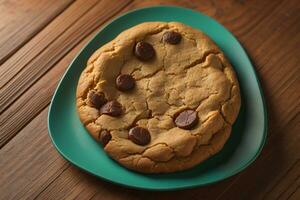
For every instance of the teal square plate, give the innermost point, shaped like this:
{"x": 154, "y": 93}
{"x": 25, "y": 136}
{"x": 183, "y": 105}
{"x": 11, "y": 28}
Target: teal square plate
{"x": 249, "y": 131}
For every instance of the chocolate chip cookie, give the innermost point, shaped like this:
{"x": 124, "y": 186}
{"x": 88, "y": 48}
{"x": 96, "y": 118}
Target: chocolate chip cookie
{"x": 160, "y": 97}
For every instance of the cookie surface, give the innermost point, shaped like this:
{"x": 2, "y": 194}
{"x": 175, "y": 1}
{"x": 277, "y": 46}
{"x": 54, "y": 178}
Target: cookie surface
{"x": 160, "y": 97}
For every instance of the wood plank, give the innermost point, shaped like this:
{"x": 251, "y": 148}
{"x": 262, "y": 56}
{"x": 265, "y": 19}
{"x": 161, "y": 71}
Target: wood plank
{"x": 29, "y": 163}
{"x": 80, "y": 185}
{"x": 295, "y": 195}
{"x": 48, "y": 57}
{"x": 280, "y": 153}
{"x": 62, "y": 44}
{"x": 38, "y": 95}
{"x": 286, "y": 185}
{"x": 292, "y": 190}
{"x": 43, "y": 39}
{"x": 276, "y": 58}
{"x": 280, "y": 81}
{"x": 21, "y": 20}
{"x": 28, "y": 177}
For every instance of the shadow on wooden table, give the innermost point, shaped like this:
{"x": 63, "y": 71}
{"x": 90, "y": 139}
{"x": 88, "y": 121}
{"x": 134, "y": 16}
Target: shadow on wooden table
{"x": 107, "y": 190}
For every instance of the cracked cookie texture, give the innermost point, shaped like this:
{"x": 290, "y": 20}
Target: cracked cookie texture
{"x": 193, "y": 74}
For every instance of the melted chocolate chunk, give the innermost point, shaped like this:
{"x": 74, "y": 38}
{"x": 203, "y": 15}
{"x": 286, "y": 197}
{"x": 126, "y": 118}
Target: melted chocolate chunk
{"x": 125, "y": 82}
{"x": 186, "y": 119}
{"x": 139, "y": 135}
{"x": 144, "y": 51}
{"x": 105, "y": 137}
{"x": 96, "y": 99}
{"x": 171, "y": 37}
{"x": 112, "y": 108}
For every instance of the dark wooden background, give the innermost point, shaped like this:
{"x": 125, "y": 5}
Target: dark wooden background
{"x": 39, "y": 38}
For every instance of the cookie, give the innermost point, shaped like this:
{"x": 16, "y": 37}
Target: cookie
{"x": 161, "y": 97}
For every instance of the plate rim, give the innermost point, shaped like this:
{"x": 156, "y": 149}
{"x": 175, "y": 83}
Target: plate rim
{"x": 260, "y": 89}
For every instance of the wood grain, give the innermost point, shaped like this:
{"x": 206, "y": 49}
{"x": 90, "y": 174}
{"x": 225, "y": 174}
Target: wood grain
{"x": 280, "y": 153}
{"x": 295, "y": 195}
{"x": 30, "y": 168}
{"x": 288, "y": 185}
{"x": 22, "y": 109}
{"x": 34, "y": 138}
{"x": 42, "y": 172}
{"x": 21, "y": 20}
{"x": 29, "y": 162}
{"x": 39, "y": 95}
{"x": 43, "y": 39}
{"x": 48, "y": 57}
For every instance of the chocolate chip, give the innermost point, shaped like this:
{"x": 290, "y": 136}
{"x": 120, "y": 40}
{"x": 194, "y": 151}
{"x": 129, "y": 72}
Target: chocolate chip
{"x": 105, "y": 137}
{"x": 171, "y": 37}
{"x": 125, "y": 82}
{"x": 187, "y": 119}
{"x": 139, "y": 135}
{"x": 144, "y": 51}
{"x": 96, "y": 99}
{"x": 112, "y": 108}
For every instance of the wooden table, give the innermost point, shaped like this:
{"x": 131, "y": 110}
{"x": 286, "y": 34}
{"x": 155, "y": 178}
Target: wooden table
{"x": 39, "y": 38}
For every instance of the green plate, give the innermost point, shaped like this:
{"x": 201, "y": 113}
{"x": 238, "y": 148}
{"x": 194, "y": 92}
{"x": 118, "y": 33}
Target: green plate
{"x": 249, "y": 131}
